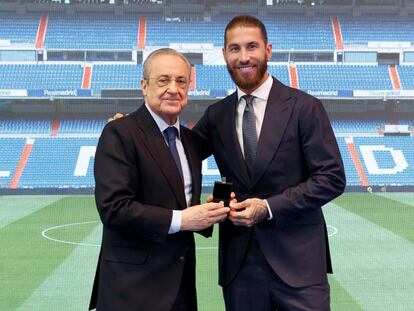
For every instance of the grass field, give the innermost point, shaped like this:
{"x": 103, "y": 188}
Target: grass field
{"x": 50, "y": 244}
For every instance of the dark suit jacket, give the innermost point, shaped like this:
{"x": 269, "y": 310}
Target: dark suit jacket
{"x": 137, "y": 187}
{"x": 298, "y": 169}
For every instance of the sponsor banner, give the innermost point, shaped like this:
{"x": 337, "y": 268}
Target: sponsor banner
{"x": 207, "y": 93}
{"x": 59, "y": 93}
{"x": 12, "y": 93}
{"x": 384, "y": 93}
{"x": 330, "y": 93}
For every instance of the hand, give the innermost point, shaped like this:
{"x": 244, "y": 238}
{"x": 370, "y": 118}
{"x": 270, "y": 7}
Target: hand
{"x": 199, "y": 217}
{"x": 232, "y": 198}
{"x": 248, "y": 213}
{"x": 117, "y": 115}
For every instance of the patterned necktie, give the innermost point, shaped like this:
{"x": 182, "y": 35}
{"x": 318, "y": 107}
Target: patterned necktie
{"x": 171, "y": 133}
{"x": 249, "y": 133}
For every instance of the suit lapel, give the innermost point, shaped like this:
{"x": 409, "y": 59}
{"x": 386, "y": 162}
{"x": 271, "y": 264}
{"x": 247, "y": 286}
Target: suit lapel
{"x": 193, "y": 161}
{"x": 156, "y": 146}
{"x": 236, "y": 162}
{"x": 276, "y": 118}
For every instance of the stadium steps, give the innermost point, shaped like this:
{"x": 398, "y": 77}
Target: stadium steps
{"x": 142, "y": 32}
{"x": 293, "y": 77}
{"x": 87, "y": 76}
{"x": 395, "y": 77}
{"x": 55, "y": 127}
{"x": 355, "y": 159}
{"x": 336, "y": 28}
{"x": 41, "y": 32}
{"x": 22, "y": 163}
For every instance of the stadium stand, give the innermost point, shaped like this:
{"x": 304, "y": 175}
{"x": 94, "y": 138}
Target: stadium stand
{"x": 10, "y": 149}
{"x": 384, "y": 158}
{"x": 357, "y": 126}
{"x": 288, "y": 30}
{"x": 76, "y": 126}
{"x": 40, "y": 76}
{"x": 57, "y": 160}
{"x": 21, "y": 126}
{"x": 69, "y": 37}
{"x": 118, "y": 76}
{"x": 18, "y": 28}
{"x": 406, "y": 76}
{"x": 359, "y": 30}
{"x": 344, "y": 77}
{"x": 92, "y": 31}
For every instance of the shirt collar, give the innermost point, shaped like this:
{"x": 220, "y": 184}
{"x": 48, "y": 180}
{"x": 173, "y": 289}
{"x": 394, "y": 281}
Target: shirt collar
{"x": 261, "y": 92}
{"x": 162, "y": 125}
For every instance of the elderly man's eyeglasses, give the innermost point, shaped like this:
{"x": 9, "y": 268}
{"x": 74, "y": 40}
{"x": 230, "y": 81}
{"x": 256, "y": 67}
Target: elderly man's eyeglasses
{"x": 165, "y": 81}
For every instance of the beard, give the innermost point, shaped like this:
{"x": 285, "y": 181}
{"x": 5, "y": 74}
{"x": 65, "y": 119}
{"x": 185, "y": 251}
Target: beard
{"x": 246, "y": 83}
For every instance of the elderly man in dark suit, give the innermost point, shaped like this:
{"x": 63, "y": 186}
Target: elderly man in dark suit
{"x": 276, "y": 145}
{"x": 148, "y": 184}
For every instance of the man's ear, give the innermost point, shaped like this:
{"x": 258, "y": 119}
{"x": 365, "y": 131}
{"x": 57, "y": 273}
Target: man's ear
{"x": 268, "y": 51}
{"x": 144, "y": 85}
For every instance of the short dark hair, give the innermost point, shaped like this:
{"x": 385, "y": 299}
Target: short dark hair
{"x": 245, "y": 21}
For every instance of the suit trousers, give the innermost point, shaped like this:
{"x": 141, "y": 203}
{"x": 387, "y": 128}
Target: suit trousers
{"x": 186, "y": 299}
{"x": 258, "y": 288}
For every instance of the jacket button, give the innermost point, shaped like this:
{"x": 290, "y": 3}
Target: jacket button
{"x": 181, "y": 259}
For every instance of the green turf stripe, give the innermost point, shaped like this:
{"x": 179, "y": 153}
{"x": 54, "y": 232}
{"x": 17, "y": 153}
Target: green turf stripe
{"x": 387, "y": 213}
{"x": 341, "y": 300}
{"x": 402, "y": 197}
{"x": 72, "y": 280}
{"x": 15, "y": 207}
{"x": 29, "y": 257}
{"x": 375, "y": 266}
{"x": 209, "y": 294}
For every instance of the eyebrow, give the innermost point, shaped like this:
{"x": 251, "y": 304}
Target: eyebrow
{"x": 248, "y": 43}
{"x": 168, "y": 76}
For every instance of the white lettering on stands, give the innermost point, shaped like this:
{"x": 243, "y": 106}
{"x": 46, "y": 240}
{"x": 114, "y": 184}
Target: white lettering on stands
{"x": 86, "y": 153}
{"x": 372, "y": 164}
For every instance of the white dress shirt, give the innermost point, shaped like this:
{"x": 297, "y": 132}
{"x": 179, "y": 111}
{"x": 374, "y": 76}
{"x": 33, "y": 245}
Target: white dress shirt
{"x": 162, "y": 125}
{"x": 261, "y": 95}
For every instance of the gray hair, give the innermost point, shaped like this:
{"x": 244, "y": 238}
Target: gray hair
{"x": 163, "y": 51}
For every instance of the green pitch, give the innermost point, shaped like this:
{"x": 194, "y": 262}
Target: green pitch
{"x": 50, "y": 244}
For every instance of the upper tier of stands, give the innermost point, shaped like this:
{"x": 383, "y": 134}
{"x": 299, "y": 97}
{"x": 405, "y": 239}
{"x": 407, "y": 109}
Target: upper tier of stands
{"x": 285, "y": 31}
{"x": 91, "y": 31}
{"x": 300, "y": 32}
{"x": 361, "y": 29}
{"x": 19, "y": 28}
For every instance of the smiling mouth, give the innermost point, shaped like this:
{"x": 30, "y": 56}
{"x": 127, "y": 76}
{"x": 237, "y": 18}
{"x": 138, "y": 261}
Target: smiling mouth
{"x": 246, "y": 69}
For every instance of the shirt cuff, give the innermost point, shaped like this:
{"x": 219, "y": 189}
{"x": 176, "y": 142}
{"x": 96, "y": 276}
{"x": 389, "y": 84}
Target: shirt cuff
{"x": 175, "y": 222}
{"x": 269, "y": 210}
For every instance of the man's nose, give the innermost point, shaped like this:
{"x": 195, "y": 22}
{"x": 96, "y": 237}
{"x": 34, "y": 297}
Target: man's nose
{"x": 172, "y": 86}
{"x": 244, "y": 56}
